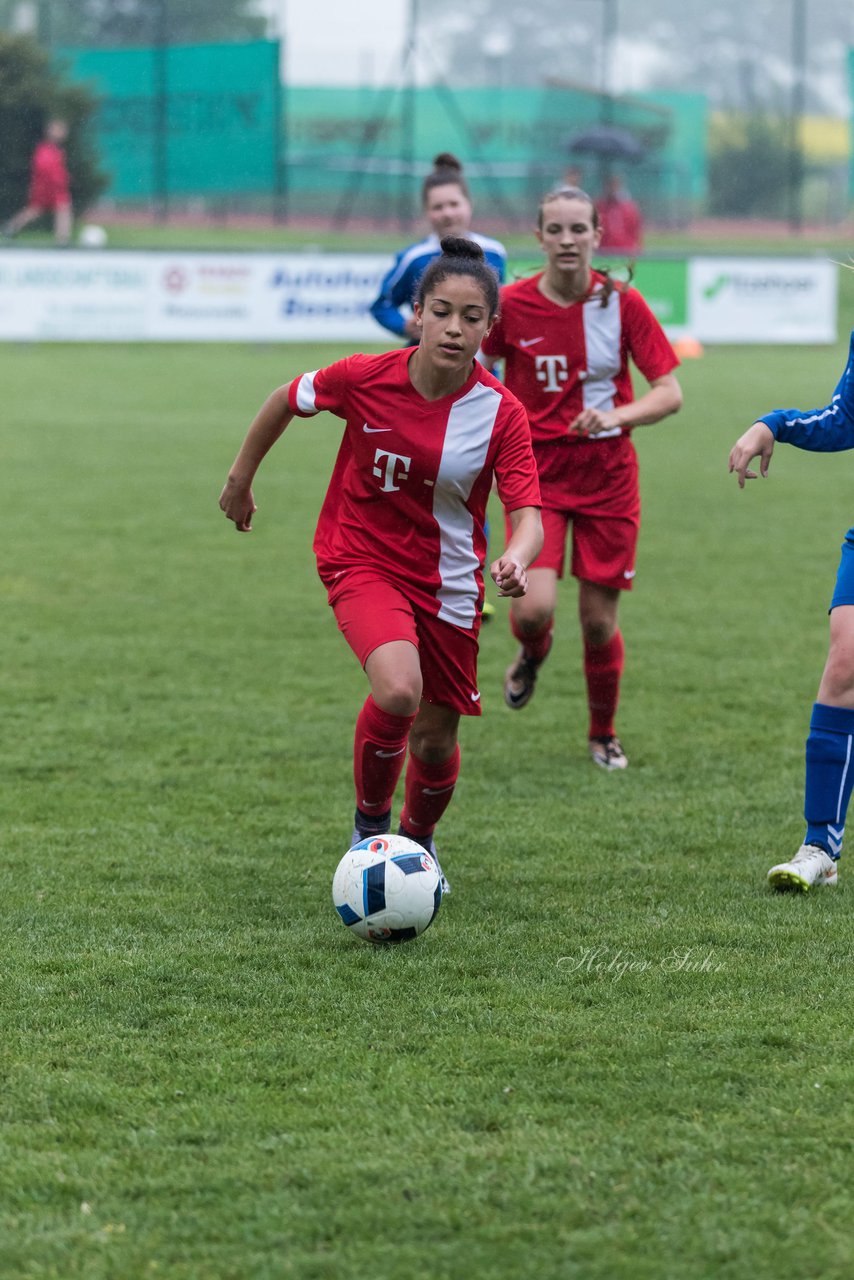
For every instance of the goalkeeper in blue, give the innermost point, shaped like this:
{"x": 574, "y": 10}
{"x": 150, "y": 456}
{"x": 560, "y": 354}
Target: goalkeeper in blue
{"x": 830, "y": 745}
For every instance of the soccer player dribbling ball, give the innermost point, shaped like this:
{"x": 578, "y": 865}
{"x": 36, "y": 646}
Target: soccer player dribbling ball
{"x": 566, "y": 336}
{"x": 400, "y": 540}
{"x": 829, "y": 754}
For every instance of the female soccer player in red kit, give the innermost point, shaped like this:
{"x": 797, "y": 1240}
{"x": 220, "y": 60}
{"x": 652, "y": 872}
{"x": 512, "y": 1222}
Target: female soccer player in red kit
{"x": 400, "y": 541}
{"x": 49, "y": 185}
{"x": 566, "y": 336}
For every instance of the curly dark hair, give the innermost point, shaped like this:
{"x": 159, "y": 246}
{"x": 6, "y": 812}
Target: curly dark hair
{"x": 460, "y": 257}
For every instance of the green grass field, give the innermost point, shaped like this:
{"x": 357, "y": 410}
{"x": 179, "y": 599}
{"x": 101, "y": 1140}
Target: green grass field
{"x": 614, "y": 1056}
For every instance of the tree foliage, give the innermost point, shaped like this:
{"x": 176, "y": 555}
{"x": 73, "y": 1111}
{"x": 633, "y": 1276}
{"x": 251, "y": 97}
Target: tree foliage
{"x": 750, "y": 167}
{"x": 32, "y": 90}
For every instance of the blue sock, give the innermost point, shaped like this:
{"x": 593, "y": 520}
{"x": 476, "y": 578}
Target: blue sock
{"x": 829, "y": 777}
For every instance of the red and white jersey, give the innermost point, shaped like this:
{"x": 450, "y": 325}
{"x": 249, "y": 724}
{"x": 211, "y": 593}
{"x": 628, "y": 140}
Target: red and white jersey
{"x": 411, "y": 482}
{"x": 560, "y": 360}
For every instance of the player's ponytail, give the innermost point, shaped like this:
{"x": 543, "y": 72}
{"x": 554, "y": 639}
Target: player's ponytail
{"x": 460, "y": 257}
{"x": 447, "y": 171}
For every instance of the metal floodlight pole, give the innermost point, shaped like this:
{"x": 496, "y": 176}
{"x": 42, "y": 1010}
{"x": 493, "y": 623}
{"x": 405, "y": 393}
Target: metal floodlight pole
{"x": 606, "y": 88}
{"x": 797, "y": 107}
{"x": 407, "y": 119}
{"x": 282, "y": 120}
{"x": 45, "y": 24}
{"x": 160, "y": 152}
{"x": 609, "y": 42}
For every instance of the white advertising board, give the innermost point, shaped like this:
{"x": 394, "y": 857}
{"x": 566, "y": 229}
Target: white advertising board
{"x": 109, "y": 296}
{"x": 112, "y": 296}
{"x": 774, "y": 300}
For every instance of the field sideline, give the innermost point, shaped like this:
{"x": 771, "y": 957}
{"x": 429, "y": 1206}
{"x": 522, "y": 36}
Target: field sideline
{"x": 614, "y": 1056}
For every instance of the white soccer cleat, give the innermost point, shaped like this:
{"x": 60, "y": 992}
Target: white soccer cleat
{"x": 810, "y": 868}
{"x": 608, "y": 753}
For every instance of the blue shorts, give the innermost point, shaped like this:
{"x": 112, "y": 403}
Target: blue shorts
{"x": 843, "y": 592}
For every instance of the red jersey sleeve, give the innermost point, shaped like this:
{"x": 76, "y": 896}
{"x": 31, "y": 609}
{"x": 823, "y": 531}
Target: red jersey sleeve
{"x": 516, "y": 475}
{"x": 647, "y": 342}
{"x": 321, "y": 389}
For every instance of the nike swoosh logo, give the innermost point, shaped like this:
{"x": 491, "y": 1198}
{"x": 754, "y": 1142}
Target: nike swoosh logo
{"x": 475, "y": 697}
{"x": 387, "y": 755}
{"x": 436, "y": 791}
{"x": 528, "y": 342}
{"x": 372, "y": 430}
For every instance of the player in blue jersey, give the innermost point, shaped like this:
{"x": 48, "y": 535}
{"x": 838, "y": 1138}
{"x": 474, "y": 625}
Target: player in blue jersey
{"x": 830, "y": 744}
{"x": 447, "y": 206}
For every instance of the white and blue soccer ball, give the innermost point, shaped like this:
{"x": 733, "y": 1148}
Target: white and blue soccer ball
{"x": 387, "y": 889}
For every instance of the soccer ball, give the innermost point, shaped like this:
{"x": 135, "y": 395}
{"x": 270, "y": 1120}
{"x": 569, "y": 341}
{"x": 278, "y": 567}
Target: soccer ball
{"x": 92, "y": 237}
{"x": 387, "y": 889}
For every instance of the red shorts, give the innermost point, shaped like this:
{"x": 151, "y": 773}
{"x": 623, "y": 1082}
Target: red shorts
{"x": 371, "y": 611}
{"x": 42, "y": 196}
{"x": 592, "y": 485}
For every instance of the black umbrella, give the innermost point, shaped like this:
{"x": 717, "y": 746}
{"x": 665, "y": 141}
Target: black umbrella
{"x": 608, "y": 141}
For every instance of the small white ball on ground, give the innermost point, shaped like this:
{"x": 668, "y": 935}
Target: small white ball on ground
{"x": 92, "y": 236}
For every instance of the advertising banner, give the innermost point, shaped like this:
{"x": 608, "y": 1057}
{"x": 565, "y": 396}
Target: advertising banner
{"x": 112, "y": 296}
{"x": 775, "y": 300}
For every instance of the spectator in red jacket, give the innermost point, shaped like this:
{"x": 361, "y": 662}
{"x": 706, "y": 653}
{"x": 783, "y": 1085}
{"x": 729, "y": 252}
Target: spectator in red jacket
{"x": 49, "y": 187}
{"x": 622, "y": 225}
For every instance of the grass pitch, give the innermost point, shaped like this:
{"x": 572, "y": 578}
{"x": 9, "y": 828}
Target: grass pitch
{"x": 614, "y": 1055}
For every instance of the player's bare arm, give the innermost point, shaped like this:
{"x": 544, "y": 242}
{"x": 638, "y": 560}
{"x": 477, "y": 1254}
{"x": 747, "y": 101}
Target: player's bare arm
{"x": 509, "y": 571}
{"x": 757, "y": 442}
{"x": 663, "y": 398}
{"x": 236, "y": 499}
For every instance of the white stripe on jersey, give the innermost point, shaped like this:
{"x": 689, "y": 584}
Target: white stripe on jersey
{"x": 830, "y": 412}
{"x": 306, "y": 399}
{"x": 602, "y": 334}
{"x": 424, "y": 247}
{"x": 467, "y": 438}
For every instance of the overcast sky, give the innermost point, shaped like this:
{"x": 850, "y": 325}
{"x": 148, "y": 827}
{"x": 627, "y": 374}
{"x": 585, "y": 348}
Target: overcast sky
{"x": 341, "y": 41}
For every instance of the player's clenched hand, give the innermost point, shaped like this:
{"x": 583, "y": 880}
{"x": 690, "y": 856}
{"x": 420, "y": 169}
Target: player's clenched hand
{"x": 239, "y": 505}
{"x": 509, "y": 576}
{"x": 591, "y": 422}
{"x": 757, "y": 442}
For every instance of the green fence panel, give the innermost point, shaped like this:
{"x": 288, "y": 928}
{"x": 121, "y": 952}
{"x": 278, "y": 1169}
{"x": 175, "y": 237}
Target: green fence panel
{"x": 222, "y": 116}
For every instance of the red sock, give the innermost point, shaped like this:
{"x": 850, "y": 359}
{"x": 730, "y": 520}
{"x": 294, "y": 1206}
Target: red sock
{"x": 429, "y": 788}
{"x": 603, "y": 666}
{"x": 379, "y": 751}
{"x": 535, "y": 643}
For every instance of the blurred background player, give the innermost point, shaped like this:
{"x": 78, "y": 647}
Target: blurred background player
{"x": 830, "y": 743}
{"x": 49, "y": 186}
{"x": 619, "y": 219}
{"x": 400, "y": 541}
{"x": 447, "y": 206}
{"x": 566, "y": 336}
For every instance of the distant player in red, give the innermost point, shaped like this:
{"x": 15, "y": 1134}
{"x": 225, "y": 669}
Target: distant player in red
{"x": 49, "y": 186}
{"x": 566, "y": 336}
{"x": 620, "y": 219}
{"x": 400, "y": 541}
